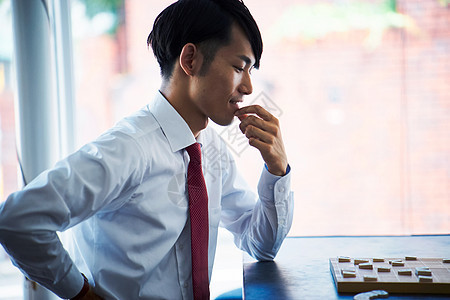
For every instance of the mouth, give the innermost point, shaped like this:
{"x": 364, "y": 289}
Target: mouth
{"x": 235, "y": 101}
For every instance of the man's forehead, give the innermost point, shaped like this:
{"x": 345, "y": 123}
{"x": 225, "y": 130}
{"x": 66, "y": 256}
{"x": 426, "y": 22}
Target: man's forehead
{"x": 239, "y": 52}
{"x": 240, "y": 45}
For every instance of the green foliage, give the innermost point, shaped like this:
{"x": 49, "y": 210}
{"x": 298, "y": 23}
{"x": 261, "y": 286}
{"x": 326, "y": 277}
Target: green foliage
{"x": 391, "y": 4}
{"x": 94, "y": 7}
{"x": 317, "y": 20}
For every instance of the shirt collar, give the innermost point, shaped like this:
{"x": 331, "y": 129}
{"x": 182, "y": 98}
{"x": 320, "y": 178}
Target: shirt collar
{"x": 176, "y": 130}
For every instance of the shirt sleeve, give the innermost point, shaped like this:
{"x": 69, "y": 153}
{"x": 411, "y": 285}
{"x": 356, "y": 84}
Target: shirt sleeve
{"x": 260, "y": 222}
{"x": 92, "y": 179}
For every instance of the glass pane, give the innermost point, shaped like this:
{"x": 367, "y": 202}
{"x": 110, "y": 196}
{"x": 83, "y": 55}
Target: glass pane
{"x": 10, "y": 277}
{"x": 363, "y": 92}
{"x": 361, "y": 89}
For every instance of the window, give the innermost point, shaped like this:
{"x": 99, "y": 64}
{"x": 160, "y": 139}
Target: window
{"x": 361, "y": 89}
{"x": 10, "y": 277}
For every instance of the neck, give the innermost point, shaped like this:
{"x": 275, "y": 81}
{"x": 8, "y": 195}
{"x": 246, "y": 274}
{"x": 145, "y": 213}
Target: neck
{"x": 176, "y": 93}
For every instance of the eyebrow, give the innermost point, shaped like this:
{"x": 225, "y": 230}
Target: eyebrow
{"x": 245, "y": 58}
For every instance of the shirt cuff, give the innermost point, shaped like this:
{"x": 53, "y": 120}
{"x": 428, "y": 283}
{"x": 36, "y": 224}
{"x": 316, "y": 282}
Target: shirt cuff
{"x": 70, "y": 285}
{"x": 288, "y": 169}
{"x": 270, "y": 184}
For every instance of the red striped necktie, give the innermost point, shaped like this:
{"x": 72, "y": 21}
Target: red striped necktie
{"x": 198, "y": 211}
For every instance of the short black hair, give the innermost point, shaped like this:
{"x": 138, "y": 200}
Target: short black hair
{"x": 205, "y": 23}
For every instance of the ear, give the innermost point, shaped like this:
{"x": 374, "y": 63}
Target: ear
{"x": 189, "y": 59}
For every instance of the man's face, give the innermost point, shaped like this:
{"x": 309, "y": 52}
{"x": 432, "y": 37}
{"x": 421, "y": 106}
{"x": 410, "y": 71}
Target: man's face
{"x": 218, "y": 92}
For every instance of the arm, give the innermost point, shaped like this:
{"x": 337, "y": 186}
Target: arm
{"x": 89, "y": 180}
{"x": 86, "y": 292}
{"x": 260, "y": 228}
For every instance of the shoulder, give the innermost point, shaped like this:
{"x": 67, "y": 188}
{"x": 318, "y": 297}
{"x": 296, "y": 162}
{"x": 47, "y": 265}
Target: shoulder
{"x": 140, "y": 128}
{"x": 138, "y": 125}
{"x": 128, "y": 138}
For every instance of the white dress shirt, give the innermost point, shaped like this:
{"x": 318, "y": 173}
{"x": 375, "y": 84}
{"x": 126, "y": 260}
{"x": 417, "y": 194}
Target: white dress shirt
{"x": 124, "y": 197}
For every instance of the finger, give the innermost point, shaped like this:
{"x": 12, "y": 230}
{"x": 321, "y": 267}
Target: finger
{"x": 257, "y": 133}
{"x": 242, "y": 117}
{"x": 259, "y": 129}
{"x": 258, "y": 122}
{"x": 276, "y": 164}
{"x": 255, "y": 109}
{"x": 260, "y": 145}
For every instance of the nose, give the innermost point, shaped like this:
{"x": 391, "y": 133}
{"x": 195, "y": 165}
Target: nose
{"x": 246, "y": 87}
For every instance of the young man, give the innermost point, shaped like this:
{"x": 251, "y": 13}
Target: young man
{"x": 128, "y": 196}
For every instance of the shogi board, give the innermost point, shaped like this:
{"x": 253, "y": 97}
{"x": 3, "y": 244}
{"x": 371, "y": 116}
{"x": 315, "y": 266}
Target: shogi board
{"x": 391, "y": 281}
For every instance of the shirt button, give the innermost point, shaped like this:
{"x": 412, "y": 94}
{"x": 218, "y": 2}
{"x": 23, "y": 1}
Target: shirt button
{"x": 185, "y": 285}
{"x": 270, "y": 187}
{"x": 281, "y": 189}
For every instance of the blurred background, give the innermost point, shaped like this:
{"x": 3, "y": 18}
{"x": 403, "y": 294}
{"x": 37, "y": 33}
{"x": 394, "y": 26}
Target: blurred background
{"x": 361, "y": 88}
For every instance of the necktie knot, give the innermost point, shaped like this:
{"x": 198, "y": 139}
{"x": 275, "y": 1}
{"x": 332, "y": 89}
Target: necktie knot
{"x": 195, "y": 152}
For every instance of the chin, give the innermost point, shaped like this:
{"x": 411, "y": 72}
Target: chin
{"x": 223, "y": 122}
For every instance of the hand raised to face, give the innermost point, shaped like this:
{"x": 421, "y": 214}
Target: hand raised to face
{"x": 263, "y": 132}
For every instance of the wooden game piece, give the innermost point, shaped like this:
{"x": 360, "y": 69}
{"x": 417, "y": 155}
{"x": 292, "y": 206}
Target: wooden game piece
{"x": 371, "y": 295}
{"x": 358, "y": 261}
{"x": 395, "y": 260}
{"x": 398, "y": 263}
{"x": 407, "y": 272}
{"x": 392, "y": 260}
{"x": 348, "y": 274}
{"x": 380, "y": 294}
{"x": 446, "y": 260}
{"x": 378, "y": 259}
{"x": 348, "y": 269}
{"x": 423, "y": 278}
{"x": 410, "y": 257}
{"x": 423, "y": 271}
{"x": 384, "y": 269}
{"x": 344, "y": 259}
{"x": 366, "y": 266}
{"x": 370, "y": 278}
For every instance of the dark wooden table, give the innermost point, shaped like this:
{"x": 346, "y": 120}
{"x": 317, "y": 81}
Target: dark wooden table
{"x": 301, "y": 269}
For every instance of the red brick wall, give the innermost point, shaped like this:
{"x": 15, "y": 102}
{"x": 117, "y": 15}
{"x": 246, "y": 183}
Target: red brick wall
{"x": 427, "y": 109}
{"x": 367, "y": 128}
{"x": 8, "y": 157}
